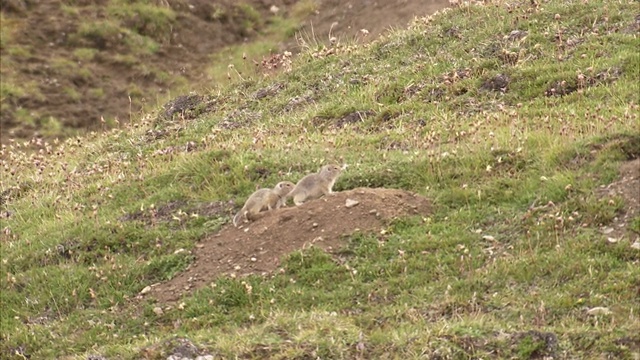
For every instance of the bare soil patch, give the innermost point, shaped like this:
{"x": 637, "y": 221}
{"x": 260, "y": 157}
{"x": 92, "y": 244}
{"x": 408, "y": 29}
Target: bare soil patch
{"x": 257, "y": 247}
{"x": 628, "y": 188}
{"x": 345, "y": 19}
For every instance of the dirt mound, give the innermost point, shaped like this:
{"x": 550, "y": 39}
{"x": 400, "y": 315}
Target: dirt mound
{"x": 256, "y": 248}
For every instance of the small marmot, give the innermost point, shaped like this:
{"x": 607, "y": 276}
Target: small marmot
{"x": 315, "y": 185}
{"x": 264, "y": 199}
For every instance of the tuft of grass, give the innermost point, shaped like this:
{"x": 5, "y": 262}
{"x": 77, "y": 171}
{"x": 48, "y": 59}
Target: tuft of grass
{"x": 635, "y": 225}
{"x": 85, "y": 54}
{"x": 11, "y": 90}
{"x": 6, "y": 31}
{"x": 99, "y": 33}
{"x": 146, "y": 19}
{"x": 251, "y": 17}
{"x": 303, "y": 8}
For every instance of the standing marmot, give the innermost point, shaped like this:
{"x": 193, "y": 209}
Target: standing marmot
{"x": 264, "y": 199}
{"x": 315, "y": 185}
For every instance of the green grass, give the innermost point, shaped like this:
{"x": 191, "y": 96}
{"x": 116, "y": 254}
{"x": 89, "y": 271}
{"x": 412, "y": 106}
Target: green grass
{"x": 506, "y": 266}
{"x": 6, "y": 31}
{"x": 147, "y": 19}
{"x": 85, "y": 54}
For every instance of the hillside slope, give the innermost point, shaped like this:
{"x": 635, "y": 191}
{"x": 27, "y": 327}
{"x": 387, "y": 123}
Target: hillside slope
{"x": 517, "y": 121}
{"x": 72, "y": 66}
{"x": 69, "y": 66}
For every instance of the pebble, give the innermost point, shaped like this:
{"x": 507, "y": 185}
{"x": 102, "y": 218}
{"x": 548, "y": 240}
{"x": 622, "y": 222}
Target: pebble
{"x": 205, "y": 357}
{"x": 145, "y": 290}
{"x": 351, "y": 203}
{"x": 599, "y": 310}
{"x": 607, "y": 230}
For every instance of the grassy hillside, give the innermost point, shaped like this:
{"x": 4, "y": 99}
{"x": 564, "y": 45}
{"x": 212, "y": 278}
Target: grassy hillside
{"x": 70, "y": 66}
{"x": 510, "y": 116}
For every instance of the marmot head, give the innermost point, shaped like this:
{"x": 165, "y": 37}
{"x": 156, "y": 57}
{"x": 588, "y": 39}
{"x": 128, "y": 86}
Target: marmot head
{"x": 284, "y": 187}
{"x": 330, "y": 171}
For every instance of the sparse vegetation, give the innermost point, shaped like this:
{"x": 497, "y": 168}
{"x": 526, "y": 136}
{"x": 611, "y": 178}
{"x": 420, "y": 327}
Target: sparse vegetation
{"x": 83, "y": 45}
{"x": 85, "y": 54}
{"x": 514, "y": 262}
{"x": 243, "y": 60}
{"x": 145, "y": 18}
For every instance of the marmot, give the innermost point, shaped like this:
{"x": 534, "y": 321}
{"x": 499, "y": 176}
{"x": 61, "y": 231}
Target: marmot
{"x": 315, "y": 185}
{"x": 264, "y": 199}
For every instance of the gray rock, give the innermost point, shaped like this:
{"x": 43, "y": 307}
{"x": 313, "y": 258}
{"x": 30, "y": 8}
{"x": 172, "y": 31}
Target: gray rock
{"x": 351, "y": 203}
{"x": 205, "y": 357}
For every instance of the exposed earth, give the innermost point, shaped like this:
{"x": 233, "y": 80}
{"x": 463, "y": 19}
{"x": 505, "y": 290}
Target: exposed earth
{"x": 346, "y": 19}
{"x": 626, "y": 187}
{"x": 258, "y": 247}
{"x": 92, "y": 64}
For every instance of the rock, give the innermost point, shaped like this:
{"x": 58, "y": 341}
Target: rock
{"x": 205, "y": 357}
{"x": 351, "y": 203}
{"x": 599, "y": 311}
{"x": 607, "y": 230}
{"x": 145, "y": 290}
{"x": 158, "y": 310}
{"x": 636, "y": 245}
{"x": 96, "y": 357}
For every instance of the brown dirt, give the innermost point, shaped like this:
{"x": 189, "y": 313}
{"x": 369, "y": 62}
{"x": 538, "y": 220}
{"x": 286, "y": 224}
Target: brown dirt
{"x": 78, "y": 92}
{"x": 257, "y": 247}
{"x": 345, "y": 19}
